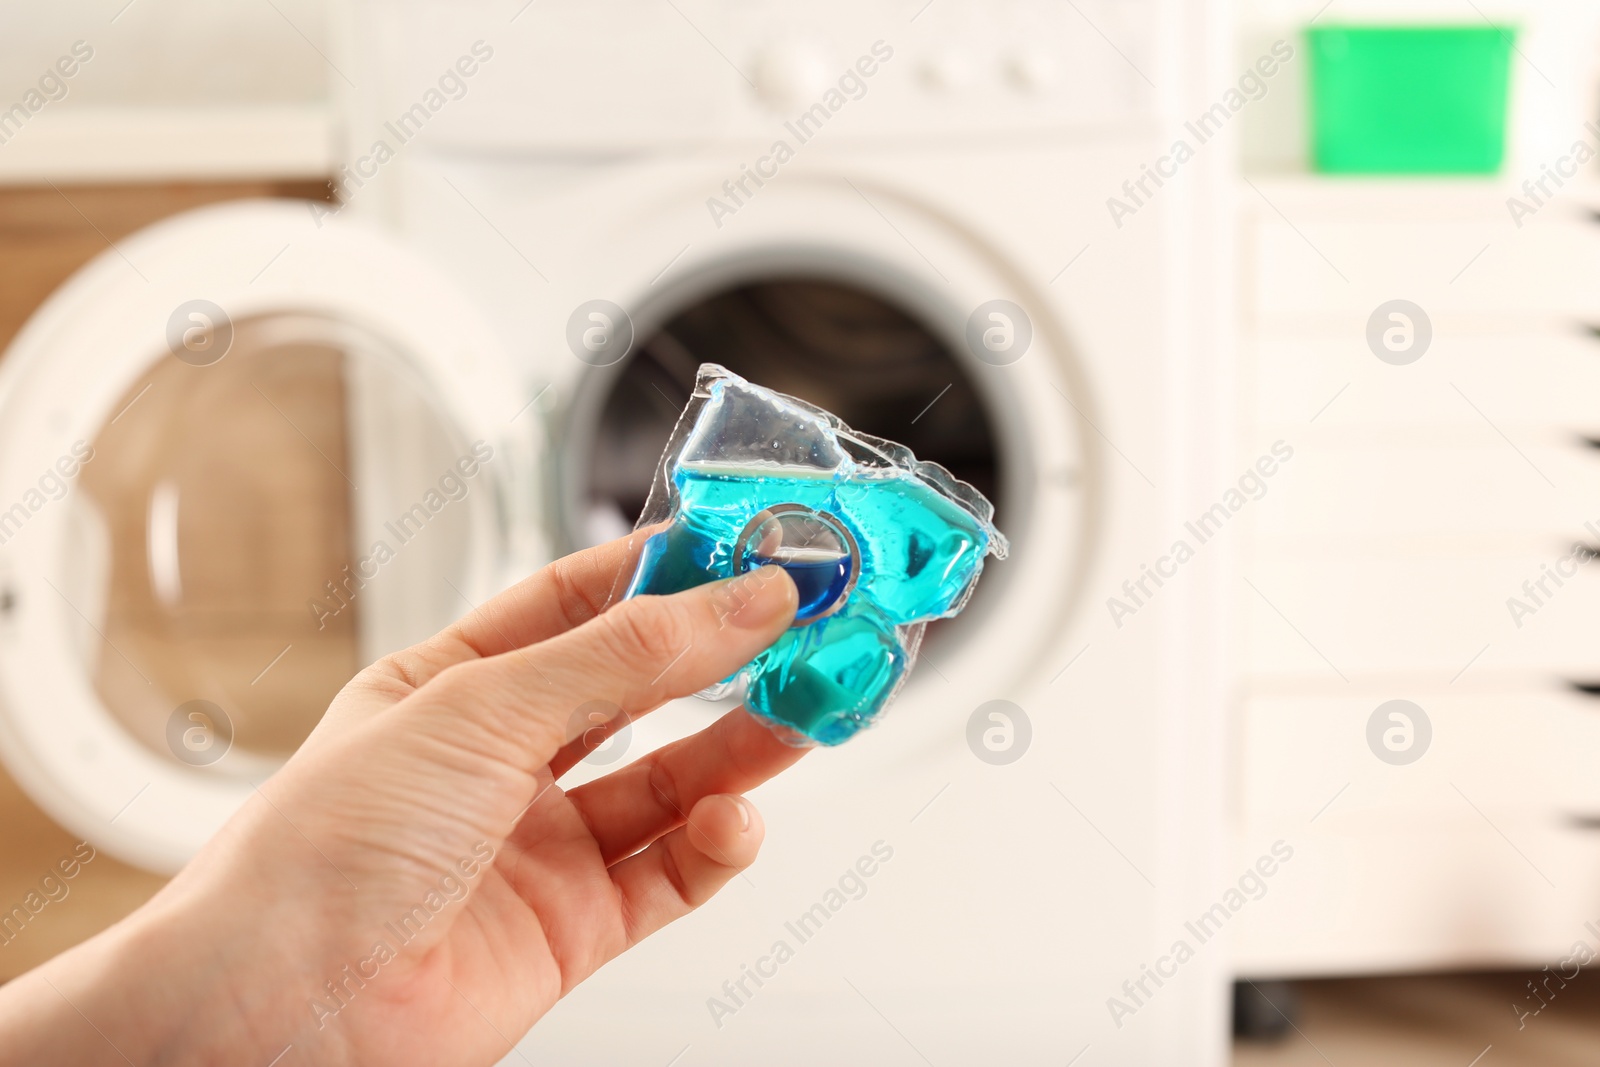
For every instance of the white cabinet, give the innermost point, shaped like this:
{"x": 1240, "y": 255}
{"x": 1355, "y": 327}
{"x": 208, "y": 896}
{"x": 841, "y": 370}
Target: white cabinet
{"x": 1428, "y": 542}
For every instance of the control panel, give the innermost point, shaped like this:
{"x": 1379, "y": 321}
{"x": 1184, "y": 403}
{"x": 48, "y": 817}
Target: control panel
{"x": 693, "y": 71}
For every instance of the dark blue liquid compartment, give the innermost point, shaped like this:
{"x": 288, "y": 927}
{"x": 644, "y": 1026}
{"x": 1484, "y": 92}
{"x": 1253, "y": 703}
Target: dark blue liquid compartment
{"x": 819, "y": 583}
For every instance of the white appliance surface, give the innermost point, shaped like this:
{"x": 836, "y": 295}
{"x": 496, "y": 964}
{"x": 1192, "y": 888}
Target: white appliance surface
{"x": 952, "y": 180}
{"x": 526, "y": 159}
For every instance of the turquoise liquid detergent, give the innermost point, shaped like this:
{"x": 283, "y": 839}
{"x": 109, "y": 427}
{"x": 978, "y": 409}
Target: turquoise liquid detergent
{"x": 876, "y": 543}
{"x": 918, "y": 555}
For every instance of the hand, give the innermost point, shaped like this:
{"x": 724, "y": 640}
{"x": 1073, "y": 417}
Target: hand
{"x": 413, "y": 887}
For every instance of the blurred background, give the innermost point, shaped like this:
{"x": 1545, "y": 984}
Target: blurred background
{"x": 1271, "y": 327}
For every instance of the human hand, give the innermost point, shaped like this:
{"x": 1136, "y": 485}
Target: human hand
{"x": 413, "y": 887}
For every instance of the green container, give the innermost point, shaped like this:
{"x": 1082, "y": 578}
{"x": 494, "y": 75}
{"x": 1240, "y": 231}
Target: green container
{"x": 1409, "y": 99}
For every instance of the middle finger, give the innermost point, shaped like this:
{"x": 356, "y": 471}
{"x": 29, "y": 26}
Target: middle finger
{"x": 631, "y": 807}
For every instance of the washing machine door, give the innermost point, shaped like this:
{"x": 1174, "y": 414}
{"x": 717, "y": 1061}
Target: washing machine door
{"x": 243, "y": 454}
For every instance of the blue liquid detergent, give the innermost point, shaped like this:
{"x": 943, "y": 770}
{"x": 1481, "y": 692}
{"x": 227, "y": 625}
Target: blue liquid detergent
{"x": 880, "y": 548}
{"x": 820, "y": 578}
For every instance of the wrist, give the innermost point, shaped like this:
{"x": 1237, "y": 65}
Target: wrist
{"x": 171, "y": 984}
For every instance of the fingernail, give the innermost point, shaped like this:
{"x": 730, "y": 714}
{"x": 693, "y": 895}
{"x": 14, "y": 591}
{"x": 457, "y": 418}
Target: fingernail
{"x": 760, "y": 597}
{"x": 744, "y": 813}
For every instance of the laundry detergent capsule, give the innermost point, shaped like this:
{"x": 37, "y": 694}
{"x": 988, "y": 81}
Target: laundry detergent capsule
{"x": 876, "y": 542}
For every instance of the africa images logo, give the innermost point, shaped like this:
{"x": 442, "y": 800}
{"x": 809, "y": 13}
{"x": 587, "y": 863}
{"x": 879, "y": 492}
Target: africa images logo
{"x": 1251, "y": 86}
{"x": 452, "y": 486}
{"x": 850, "y": 85}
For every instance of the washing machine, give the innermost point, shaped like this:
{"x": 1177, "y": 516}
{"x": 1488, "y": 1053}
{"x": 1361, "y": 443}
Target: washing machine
{"x": 290, "y": 437}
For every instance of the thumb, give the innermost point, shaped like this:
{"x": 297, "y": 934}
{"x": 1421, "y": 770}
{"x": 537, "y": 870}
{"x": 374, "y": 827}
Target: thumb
{"x": 633, "y": 658}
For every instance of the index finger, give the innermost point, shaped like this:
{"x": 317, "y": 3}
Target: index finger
{"x": 632, "y": 659}
{"x": 554, "y": 599}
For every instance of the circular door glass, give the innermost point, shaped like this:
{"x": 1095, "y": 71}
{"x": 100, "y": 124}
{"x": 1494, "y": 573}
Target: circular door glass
{"x": 254, "y": 530}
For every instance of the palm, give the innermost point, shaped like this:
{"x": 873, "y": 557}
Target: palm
{"x": 539, "y": 921}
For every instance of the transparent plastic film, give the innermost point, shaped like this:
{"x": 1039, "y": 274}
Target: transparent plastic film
{"x": 877, "y": 543}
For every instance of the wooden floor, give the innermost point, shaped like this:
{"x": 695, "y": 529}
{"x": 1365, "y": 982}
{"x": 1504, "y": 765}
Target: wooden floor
{"x": 1458, "y": 1020}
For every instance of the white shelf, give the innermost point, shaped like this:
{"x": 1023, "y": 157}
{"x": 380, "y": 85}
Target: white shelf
{"x": 1421, "y": 197}
{"x": 115, "y": 144}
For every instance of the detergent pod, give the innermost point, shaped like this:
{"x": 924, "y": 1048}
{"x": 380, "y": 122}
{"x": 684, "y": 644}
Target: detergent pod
{"x": 877, "y": 543}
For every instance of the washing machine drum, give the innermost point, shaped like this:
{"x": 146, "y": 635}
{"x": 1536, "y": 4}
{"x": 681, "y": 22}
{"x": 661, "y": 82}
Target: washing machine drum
{"x": 241, "y": 456}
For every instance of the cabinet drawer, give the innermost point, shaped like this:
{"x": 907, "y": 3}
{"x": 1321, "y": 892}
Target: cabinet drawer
{"x": 1532, "y": 754}
{"x": 1474, "y": 855}
{"x": 1342, "y": 269}
{"x": 1421, "y": 618}
{"x": 1357, "y": 493}
{"x": 1542, "y": 383}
